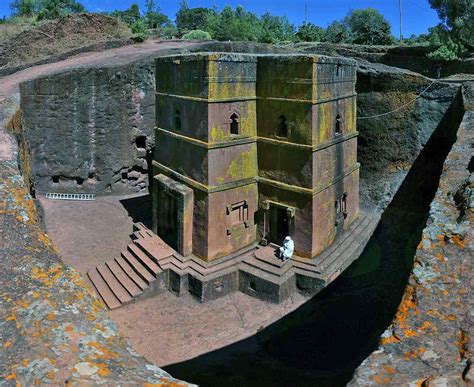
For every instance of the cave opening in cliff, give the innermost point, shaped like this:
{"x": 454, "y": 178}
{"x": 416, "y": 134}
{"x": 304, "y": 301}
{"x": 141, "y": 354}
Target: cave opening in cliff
{"x": 140, "y": 142}
{"x": 325, "y": 340}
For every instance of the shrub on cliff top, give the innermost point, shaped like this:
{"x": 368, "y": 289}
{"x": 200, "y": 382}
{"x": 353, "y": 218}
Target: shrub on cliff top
{"x": 454, "y": 36}
{"x": 197, "y": 35}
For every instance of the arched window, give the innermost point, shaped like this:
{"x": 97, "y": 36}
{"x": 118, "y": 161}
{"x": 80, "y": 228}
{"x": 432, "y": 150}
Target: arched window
{"x": 234, "y": 124}
{"x": 282, "y": 126}
{"x": 338, "y": 128}
{"x": 177, "y": 120}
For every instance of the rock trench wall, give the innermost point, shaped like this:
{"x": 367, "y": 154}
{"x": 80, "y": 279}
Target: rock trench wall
{"x": 91, "y": 130}
{"x": 389, "y": 144}
{"x": 429, "y": 341}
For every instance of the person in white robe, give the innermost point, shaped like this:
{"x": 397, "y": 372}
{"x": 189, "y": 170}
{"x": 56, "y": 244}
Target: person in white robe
{"x": 286, "y": 251}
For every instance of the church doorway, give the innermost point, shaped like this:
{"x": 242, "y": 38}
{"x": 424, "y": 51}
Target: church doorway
{"x": 279, "y": 224}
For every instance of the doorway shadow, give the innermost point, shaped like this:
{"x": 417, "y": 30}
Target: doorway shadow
{"x": 139, "y": 209}
{"x": 325, "y": 340}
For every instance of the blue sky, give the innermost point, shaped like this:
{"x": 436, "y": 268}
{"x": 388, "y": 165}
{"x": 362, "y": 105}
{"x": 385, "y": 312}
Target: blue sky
{"x": 417, "y": 14}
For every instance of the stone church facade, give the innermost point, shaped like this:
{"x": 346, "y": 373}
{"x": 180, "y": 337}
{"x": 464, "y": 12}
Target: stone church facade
{"x": 252, "y": 148}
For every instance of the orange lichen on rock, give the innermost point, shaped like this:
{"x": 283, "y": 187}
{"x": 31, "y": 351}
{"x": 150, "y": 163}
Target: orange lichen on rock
{"x": 22, "y": 200}
{"x": 104, "y": 352}
{"x": 389, "y": 340}
{"x": 103, "y": 369}
{"x": 10, "y": 377}
{"x": 415, "y": 353}
{"x": 462, "y": 344}
{"x": 410, "y": 333}
{"x": 381, "y": 380}
{"x": 458, "y": 241}
{"x": 49, "y": 277}
{"x": 407, "y": 306}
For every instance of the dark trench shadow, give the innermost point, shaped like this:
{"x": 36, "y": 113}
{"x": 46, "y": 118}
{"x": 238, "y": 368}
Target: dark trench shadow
{"x": 139, "y": 209}
{"x": 322, "y": 342}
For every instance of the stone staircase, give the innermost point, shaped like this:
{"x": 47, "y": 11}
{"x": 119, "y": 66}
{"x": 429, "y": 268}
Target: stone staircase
{"x": 149, "y": 265}
{"x": 264, "y": 263}
{"x": 127, "y": 277}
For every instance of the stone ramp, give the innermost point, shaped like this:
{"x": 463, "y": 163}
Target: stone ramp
{"x": 129, "y": 276}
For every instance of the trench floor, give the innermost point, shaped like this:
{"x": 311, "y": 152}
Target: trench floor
{"x": 166, "y": 329}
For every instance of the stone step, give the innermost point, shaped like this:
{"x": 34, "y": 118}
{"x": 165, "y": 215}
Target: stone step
{"x": 267, "y": 255}
{"x": 131, "y": 273}
{"x": 123, "y": 278}
{"x": 307, "y": 273}
{"x": 141, "y": 270}
{"x": 355, "y": 229}
{"x": 144, "y": 259}
{"x": 174, "y": 266}
{"x": 115, "y": 286}
{"x": 353, "y": 234}
{"x": 357, "y": 245}
{"x": 139, "y": 226}
{"x": 154, "y": 248}
{"x": 138, "y": 235}
{"x": 266, "y": 275}
{"x": 329, "y": 252}
{"x": 103, "y": 289}
{"x": 268, "y": 268}
{"x": 307, "y": 267}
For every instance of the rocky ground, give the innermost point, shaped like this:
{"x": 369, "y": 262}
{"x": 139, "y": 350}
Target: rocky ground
{"x": 430, "y": 339}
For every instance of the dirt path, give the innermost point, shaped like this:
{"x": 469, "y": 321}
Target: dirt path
{"x": 9, "y": 84}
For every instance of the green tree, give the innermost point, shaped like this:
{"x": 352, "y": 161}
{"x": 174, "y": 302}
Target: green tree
{"x": 454, "y": 36}
{"x": 130, "y": 15}
{"x": 24, "y": 7}
{"x": 154, "y": 18}
{"x": 416, "y": 40}
{"x": 368, "y": 26}
{"x": 337, "y": 32}
{"x": 139, "y": 29}
{"x": 188, "y": 19}
{"x": 53, "y": 9}
{"x": 308, "y": 32}
{"x": 233, "y": 25}
{"x": 274, "y": 29}
{"x": 444, "y": 47}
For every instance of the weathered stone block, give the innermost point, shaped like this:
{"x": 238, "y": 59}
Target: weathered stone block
{"x": 173, "y": 219}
